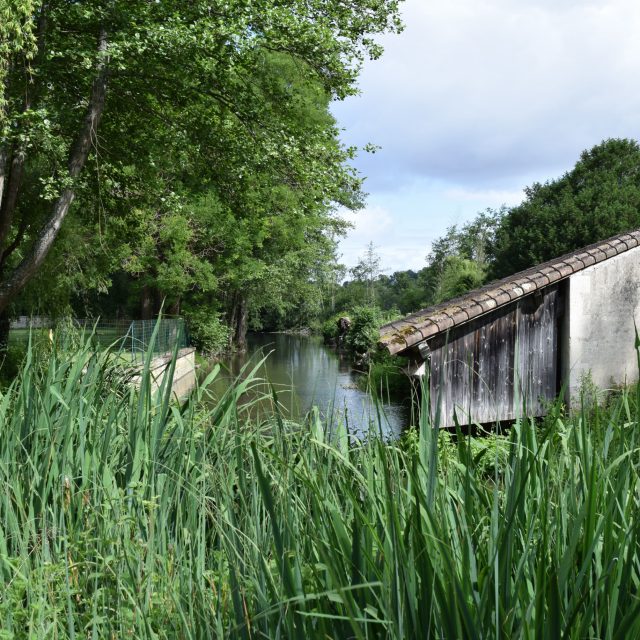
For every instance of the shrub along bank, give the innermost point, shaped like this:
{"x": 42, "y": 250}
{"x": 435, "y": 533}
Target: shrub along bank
{"x": 357, "y": 332}
{"x": 125, "y": 515}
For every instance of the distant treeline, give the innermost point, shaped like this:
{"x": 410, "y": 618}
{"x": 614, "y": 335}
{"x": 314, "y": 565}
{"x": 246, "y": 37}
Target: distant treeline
{"x": 598, "y": 198}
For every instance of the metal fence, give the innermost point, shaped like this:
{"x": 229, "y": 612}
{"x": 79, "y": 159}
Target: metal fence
{"x": 135, "y": 337}
{"x": 138, "y": 337}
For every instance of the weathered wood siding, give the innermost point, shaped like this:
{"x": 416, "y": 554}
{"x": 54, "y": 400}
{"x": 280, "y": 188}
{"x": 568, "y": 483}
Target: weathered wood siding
{"x": 499, "y": 366}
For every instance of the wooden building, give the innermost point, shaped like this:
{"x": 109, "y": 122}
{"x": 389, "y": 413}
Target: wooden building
{"x": 509, "y": 347}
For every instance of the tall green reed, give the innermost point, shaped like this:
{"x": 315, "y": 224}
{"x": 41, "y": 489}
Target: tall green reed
{"x": 123, "y": 512}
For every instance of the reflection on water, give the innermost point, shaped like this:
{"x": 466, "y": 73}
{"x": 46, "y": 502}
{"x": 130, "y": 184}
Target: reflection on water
{"x": 305, "y": 373}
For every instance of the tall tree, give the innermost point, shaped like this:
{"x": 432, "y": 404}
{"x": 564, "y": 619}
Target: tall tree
{"x": 598, "y": 198}
{"x": 459, "y": 260}
{"x": 92, "y": 90}
{"x": 367, "y": 271}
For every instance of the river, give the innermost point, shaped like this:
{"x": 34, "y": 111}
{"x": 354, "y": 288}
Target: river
{"x": 306, "y": 373}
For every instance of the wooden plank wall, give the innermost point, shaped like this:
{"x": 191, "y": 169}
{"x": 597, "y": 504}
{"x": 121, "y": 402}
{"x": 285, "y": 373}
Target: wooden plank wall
{"x": 499, "y": 366}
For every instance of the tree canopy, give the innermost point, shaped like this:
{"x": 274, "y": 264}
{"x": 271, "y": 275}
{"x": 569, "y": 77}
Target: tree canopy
{"x": 195, "y": 139}
{"x": 598, "y": 198}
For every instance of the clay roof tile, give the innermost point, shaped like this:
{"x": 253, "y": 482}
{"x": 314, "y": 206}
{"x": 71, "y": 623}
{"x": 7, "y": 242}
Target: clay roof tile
{"x": 609, "y": 250}
{"x": 598, "y": 254}
{"x": 587, "y": 259}
{"x": 539, "y": 279}
{"x": 564, "y": 269}
{"x": 400, "y": 335}
{"x": 443, "y": 321}
{"x": 502, "y": 297}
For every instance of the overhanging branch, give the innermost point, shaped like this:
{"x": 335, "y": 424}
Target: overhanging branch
{"x": 20, "y": 276}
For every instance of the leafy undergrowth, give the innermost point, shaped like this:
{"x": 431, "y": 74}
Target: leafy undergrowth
{"x": 125, "y": 515}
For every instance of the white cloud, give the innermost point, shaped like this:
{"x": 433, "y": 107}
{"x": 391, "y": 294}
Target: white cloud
{"x": 365, "y": 220}
{"x": 478, "y": 99}
{"x": 484, "y": 91}
{"x": 379, "y": 225}
{"x": 492, "y": 197}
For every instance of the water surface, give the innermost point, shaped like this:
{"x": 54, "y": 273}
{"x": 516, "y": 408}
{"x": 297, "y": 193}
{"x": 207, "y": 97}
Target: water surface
{"x": 305, "y": 373}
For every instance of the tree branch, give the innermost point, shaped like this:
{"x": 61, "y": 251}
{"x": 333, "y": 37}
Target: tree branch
{"x": 22, "y": 228}
{"x": 18, "y": 155}
{"x": 30, "y": 264}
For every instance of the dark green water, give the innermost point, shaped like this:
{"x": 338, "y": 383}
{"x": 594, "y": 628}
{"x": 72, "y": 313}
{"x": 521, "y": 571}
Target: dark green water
{"x": 305, "y": 373}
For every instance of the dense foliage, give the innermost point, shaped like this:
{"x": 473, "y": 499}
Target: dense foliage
{"x": 125, "y": 516}
{"x": 598, "y": 198}
{"x": 175, "y": 151}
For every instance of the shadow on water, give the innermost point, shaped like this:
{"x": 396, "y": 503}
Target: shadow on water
{"x": 305, "y": 373}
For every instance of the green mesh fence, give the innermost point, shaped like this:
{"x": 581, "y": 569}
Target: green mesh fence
{"x": 137, "y": 336}
{"x": 132, "y": 337}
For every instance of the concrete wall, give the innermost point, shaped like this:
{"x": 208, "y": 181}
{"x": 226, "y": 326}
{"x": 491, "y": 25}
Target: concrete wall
{"x": 598, "y": 334}
{"x": 184, "y": 377}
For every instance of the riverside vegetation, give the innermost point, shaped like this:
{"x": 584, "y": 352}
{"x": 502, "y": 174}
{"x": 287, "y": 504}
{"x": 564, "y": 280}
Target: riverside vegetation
{"x": 382, "y": 374}
{"x": 123, "y": 514}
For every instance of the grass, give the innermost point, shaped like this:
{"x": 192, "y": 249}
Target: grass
{"x": 124, "y": 515}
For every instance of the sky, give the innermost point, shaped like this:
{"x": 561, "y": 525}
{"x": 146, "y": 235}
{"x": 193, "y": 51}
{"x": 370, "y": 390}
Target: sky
{"x": 475, "y": 100}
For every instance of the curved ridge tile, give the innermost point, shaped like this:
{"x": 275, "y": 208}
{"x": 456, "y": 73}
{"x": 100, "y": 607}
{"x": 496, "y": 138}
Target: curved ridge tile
{"x": 401, "y": 334}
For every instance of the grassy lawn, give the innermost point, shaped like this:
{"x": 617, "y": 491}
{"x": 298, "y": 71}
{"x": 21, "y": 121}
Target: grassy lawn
{"x": 104, "y": 337}
{"x": 21, "y": 336}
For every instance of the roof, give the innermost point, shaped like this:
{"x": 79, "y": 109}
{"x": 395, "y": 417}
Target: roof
{"x": 405, "y": 333}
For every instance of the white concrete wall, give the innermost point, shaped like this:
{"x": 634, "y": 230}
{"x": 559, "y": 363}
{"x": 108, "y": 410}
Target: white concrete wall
{"x": 599, "y": 335}
{"x": 184, "y": 377}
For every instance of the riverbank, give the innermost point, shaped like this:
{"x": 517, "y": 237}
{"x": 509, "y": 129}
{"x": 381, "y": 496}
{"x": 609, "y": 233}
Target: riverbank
{"x": 123, "y": 516}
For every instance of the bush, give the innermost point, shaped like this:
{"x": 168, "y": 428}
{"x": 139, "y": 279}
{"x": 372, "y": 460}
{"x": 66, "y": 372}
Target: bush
{"x": 10, "y": 361}
{"x": 331, "y": 328}
{"x": 208, "y": 333}
{"x": 363, "y": 333}
{"x": 387, "y": 377}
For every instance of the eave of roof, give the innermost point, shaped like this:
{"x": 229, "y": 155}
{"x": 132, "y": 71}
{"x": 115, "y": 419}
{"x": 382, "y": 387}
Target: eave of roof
{"x": 409, "y": 331}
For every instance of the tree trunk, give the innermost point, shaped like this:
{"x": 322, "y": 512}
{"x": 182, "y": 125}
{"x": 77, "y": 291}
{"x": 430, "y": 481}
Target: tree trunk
{"x": 10, "y": 200}
{"x": 5, "y": 325}
{"x": 239, "y": 321}
{"x": 20, "y": 276}
{"x": 231, "y": 321}
{"x": 4, "y": 156}
{"x": 146, "y": 303}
